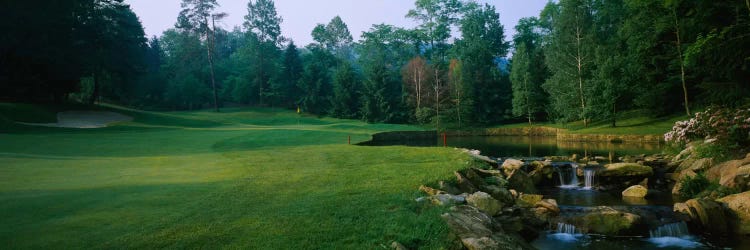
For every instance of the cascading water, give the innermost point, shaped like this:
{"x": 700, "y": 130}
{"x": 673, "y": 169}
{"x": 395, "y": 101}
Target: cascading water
{"x": 568, "y": 176}
{"x": 671, "y": 230}
{"x": 674, "y": 235}
{"x": 564, "y": 228}
{"x": 589, "y": 175}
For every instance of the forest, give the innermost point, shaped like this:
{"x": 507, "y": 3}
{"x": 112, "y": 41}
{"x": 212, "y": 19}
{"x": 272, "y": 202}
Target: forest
{"x": 578, "y": 60}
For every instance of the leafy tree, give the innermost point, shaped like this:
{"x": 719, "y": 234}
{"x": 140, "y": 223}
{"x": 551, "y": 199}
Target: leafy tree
{"x": 184, "y": 69}
{"x": 194, "y": 17}
{"x": 459, "y": 89}
{"x": 345, "y": 101}
{"x": 416, "y": 75}
{"x": 611, "y": 92}
{"x": 265, "y": 24}
{"x": 382, "y": 51}
{"x": 570, "y": 59}
{"x": 334, "y": 36}
{"x": 315, "y": 82}
{"x": 528, "y": 70}
{"x": 482, "y": 44}
{"x": 436, "y": 17}
{"x": 289, "y": 74}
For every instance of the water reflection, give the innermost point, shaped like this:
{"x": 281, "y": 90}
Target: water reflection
{"x": 535, "y": 146}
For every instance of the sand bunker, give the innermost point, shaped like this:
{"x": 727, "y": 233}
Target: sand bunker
{"x": 85, "y": 119}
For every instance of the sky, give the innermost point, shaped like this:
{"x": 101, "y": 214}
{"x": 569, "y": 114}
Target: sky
{"x": 301, "y": 16}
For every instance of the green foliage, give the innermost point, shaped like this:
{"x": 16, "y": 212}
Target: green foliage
{"x": 700, "y": 187}
{"x": 718, "y": 152}
{"x": 346, "y": 85}
{"x": 692, "y": 186}
{"x": 482, "y": 43}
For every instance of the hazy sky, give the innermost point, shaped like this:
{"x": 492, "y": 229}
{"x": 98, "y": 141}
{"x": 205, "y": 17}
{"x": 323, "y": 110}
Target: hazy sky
{"x": 301, "y": 16}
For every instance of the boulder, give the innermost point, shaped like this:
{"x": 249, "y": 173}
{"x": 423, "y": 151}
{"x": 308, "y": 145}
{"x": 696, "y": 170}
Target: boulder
{"x": 430, "y": 191}
{"x": 685, "y": 164}
{"x": 610, "y": 222}
{"x": 520, "y": 181}
{"x": 528, "y": 200}
{"x": 635, "y": 191}
{"x": 500, "y": 193}
{"x": 619, "y": 176}
{"x": 705, "y": 214}
{"x": 511, "y": 165}
{"x": 476, "y": 230}
{"x": 447, "y": 199}
{"x": 485, "y": 203}
{"x": 542, "y": 173}
{"x": 737, "y": 208}
{"x": 557, "y": 158}
{"x": 550, "y": 205}
{"x": 701, "y": 164}
{"x": 685, "y": 153}
{"x": 732, "y": 174}
{"x": 448, "y": 187}
{"x": 398, "y": 246}
{"x": 464, "y": 184}
{"x": 475, "y": 178}
{"x": 468, "y": 222}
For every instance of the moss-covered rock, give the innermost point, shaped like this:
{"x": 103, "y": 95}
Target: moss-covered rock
{"x": 705, "y": 214}
{"x": 528, "y": 200}
{"x": 610, "y": 222}
{"x": 626, "y": 169}
{"x": 619, "y": 176}
{"x": 521, "y": 181}
{"x": 635, "y": 191}
{"x": 485, "y": 203}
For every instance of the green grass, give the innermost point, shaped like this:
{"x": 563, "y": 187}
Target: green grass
{"x": 243, "y": 178}
{"x": 628, "y": 123}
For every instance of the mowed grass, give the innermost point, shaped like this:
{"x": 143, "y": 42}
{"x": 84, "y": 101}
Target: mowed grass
{"x": 243, "y": 178}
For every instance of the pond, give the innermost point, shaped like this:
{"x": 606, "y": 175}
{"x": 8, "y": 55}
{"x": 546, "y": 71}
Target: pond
{"x": 525, "y": 146}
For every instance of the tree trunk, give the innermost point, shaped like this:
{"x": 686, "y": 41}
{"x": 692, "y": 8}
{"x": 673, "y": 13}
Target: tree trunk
{"x": 614, "y": 114}
{"x": 528, "y": 105}
{"x": 437, "y": 99}
{"x": 95, "y": 91}
{"x": 209, "y": 48}
{"x": 579, "y": 60}
{"x": 260, "y": 75}
{"x": 682, "y": 61}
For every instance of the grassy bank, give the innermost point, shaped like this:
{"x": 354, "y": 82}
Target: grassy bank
{"x": 628, "y": 123}
{"x": 243, "y": 178}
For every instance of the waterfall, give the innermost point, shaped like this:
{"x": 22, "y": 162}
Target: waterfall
{"x": 564, "y": 228}
{"x": 589, "y": 175}
{"x": 568, "y": 176}
{"x": 671, "y": 230}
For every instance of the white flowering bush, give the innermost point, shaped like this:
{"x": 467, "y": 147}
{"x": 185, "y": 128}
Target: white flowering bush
{"x": 727, "y": 126}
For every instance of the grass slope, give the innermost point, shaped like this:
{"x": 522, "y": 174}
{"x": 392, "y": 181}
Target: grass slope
{"x": 243, "y": 178}
{"x": 628, "y": 123}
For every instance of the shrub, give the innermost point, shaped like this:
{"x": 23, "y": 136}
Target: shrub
{"x": 727, "y": 126}
{"x": 699, "y": 187}
{"x": 692, "y": 186}
{"x": 719, "y": 152}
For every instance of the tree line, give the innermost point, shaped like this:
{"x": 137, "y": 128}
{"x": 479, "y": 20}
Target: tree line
{"x": 585, "y": 60}
{"x": 579, "y": 60}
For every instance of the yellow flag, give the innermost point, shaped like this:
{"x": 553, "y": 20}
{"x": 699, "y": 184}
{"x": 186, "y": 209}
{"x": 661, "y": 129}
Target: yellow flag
{"x": 298, "y": 110}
